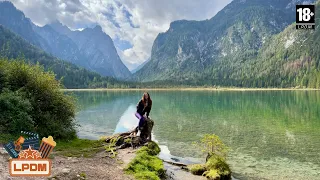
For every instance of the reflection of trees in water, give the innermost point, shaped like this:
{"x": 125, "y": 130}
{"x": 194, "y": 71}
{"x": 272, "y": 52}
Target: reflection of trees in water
{"x": 264, "y": 124}
{"x": 87, "y": 99}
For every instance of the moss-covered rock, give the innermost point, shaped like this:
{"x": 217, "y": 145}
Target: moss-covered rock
{"x": 218, "y": 164}
{"x": 146, "y": 165}
{"x": 147, "y": 175}
{"x": 152, "y": 149}
{"x": 197, "y": 169}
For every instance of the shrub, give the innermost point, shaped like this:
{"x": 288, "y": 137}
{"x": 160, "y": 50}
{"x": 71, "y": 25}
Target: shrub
{"x": 52, "y": 111}
{"x": 15, "y": 113}
{"x": 215, "y": 166}
{"x": 211, "y": 144}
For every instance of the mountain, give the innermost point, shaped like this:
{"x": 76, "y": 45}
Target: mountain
{"x": 91, "y": 48}
{"x": 99, "y": 47}
{"x": 70, "y": 75}
{"x": 140, "y": 66}
{"x": 61, "y": 45}
{"x": 218, "y": 51}
{"x": 16, "y": 21}
{"x": 290, "y": 58}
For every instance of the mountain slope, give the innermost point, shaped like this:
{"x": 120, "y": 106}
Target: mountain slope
{"x": 61, "y": 46}
{"x": 140, "y": 66}
{"x": 96, "y": 53}
{"x": 16, "y": 21}
{"x": 216, "y": 51}
{"x": 290, "y": 58}
{"x": 13, "y": 46}
{"x": 97, "y": 45}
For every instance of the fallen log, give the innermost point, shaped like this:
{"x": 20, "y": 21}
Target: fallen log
{"x": 175, "y": 163}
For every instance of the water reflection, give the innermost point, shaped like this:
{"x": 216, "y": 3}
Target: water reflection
{"x": 127, "y": 121}
{"x": 269, "y": 132}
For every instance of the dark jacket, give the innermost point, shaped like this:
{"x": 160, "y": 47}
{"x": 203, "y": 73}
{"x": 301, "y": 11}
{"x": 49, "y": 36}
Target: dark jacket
{"x": 142, "y": 110}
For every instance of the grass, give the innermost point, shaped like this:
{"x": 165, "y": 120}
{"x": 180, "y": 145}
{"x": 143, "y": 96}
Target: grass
{"x": 72, "y": 148}
{"x": 146, "y": 165}
{"x": 78, "y": 148}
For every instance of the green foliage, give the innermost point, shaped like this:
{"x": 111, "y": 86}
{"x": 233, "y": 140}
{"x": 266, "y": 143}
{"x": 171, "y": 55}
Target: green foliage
{"x": 15, "y": 113}
{"x": 83, "y": 175}
{"x": 212, "y": 145}
{"x": 212, "y": 174}
{"x": 251, "y": 48}
{"x": 32, "y": 98}
{"x": 146, "y": 165}
{"x": 215, "y": 166}
{"x": 197, "y": 169}
{"x": 128, "y": 141}
{"x": 111, "y": 147}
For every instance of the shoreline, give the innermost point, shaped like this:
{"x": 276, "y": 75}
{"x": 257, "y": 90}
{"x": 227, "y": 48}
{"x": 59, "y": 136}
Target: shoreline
{"x": 194, "y": 89}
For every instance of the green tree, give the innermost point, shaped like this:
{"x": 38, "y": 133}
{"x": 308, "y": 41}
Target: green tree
{"x": 52, "y": 112}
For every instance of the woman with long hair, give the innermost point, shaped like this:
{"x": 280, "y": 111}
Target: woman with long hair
{"x": 143, "y": 108}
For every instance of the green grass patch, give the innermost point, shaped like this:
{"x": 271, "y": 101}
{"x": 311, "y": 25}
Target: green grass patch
{"x": 79, "y": 147}
{"x": 146, "y": 165}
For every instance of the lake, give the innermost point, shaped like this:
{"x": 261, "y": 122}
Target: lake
{"x": 271, "y": 134}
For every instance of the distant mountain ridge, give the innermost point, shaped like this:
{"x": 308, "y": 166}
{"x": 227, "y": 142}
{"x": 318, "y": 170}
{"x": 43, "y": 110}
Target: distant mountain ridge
{"x": 93, "y": 43}
{"x": 140, "y": 66}
{"x": 90, "y": 48}
{"x": 219, "y": 51}
{"x": 70, "y": 75}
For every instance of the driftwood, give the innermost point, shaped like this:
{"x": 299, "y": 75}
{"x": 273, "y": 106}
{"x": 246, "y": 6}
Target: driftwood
{"x": 175, "y": 163}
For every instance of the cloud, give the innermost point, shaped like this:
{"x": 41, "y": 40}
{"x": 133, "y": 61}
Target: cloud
{"x": 132, "y": 24}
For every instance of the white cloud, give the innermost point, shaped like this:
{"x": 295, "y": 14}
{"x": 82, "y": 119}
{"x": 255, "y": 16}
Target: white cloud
{"x": 135, "y": 21}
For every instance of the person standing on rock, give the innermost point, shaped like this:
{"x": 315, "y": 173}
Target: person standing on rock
{"x": 143, "y": 108}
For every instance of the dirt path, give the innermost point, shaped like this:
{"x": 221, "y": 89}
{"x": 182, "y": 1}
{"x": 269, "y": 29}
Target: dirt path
{"x": 66, "y": 168}
{"x": 98, "y": 167}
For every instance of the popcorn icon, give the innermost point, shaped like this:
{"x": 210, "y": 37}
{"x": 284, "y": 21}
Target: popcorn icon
{"x": 46, "y": 146}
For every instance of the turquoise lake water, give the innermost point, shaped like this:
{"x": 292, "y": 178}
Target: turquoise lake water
{"x": 271, "y": 134}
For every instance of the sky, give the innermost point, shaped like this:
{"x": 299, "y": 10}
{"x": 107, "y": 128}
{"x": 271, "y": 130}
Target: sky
{"x": 132, "y": 24}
